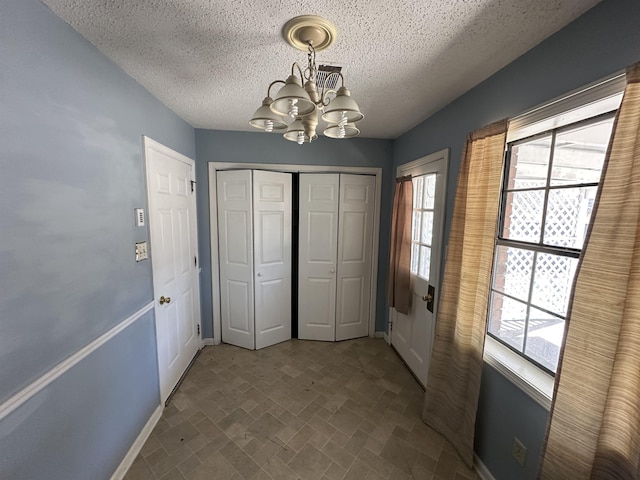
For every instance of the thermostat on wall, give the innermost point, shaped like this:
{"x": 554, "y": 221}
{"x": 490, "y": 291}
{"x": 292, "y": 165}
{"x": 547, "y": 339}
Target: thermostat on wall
{"x": 140, "y": 217}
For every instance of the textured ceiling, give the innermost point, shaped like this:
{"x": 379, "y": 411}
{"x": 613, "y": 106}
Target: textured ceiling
{"x": 211, "y": 61}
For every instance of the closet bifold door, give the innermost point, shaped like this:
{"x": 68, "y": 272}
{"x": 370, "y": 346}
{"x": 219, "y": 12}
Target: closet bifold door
{"x": 235, "y": 232}
{"x": 355, "y": 246}
{"x": 254, "y": 230}
{"x": 336, "y": 242}
{"x": 272, "y": 212}
{"x": 318, "y": 241}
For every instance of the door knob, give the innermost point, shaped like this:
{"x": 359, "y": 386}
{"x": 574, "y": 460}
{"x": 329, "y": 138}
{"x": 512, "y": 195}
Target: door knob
{"x": 333, "y": 270}
{"x": 259, "y": 274}
{"x": 427, "y": 298}
{"x": 430, "y": 297}
{"x": 164, "y": 300}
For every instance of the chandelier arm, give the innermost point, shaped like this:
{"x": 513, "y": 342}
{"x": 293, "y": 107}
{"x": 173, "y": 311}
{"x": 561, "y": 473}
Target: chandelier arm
{"x": 271, "y": 85}
{"x": 323, "y": 98}
{"x": 296, "y": 64}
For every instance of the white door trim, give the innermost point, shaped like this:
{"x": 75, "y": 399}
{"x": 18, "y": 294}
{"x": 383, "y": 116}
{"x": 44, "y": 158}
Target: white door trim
{"x": 401, "y": 171}
{"x": 431, "y": 158}
{"x": 213, "y": 212}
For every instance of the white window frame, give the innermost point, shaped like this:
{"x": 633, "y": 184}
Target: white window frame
{"x": 596, "y": 99}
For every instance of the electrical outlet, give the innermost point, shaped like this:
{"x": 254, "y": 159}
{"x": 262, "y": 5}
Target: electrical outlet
{"x": 519, "y": 451}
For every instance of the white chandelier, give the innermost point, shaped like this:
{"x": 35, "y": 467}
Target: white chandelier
{"x": 296, "y": 108}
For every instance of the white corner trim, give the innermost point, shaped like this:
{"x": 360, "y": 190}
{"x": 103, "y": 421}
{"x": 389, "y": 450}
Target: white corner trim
{"x": 32, "y": 389}
{"x": 383, "y": 335}
{"x": 378, "y": 335}
{"x": 139, "y": 442}
{"x": 481, "y": 468}
{"x": 207, "y": 341}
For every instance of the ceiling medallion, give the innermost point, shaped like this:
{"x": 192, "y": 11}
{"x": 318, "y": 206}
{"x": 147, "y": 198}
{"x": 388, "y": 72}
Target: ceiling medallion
{"x": 300, "y": 31}
{"x": 296, "y": 108}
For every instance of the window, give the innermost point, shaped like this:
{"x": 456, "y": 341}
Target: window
{"x": 550, "y": 184}
{"x": 424, "y": 192}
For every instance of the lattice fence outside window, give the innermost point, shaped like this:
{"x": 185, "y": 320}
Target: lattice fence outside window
{"x": 547, "y": 199}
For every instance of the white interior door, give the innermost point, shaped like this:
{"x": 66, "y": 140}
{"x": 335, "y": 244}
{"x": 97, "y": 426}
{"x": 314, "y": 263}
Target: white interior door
{"x": 235, "y": 231}
{"x": 272, "y": 212}
{"x": 412, "y": 334}
{"x": 355, "y": 241}
{"x": 172, "y": 222}
{"x": 318, "y": 250}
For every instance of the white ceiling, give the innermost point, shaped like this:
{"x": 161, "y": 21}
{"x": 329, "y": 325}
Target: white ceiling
{"x": 211, "y": 61}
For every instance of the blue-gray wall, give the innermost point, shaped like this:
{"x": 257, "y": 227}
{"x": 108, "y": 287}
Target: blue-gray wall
{"x": 71, "y": 174}
{"x": 261, "y": 147}
{"x": 599, "y": 43}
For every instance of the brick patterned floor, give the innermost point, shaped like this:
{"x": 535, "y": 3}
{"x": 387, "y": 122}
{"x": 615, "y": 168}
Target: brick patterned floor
{"x": 297, "y": 410}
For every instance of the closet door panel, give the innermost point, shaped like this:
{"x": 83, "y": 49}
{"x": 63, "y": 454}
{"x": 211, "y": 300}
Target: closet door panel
{"x": 355, "y": 244}
{"x": 272, "y": 206}
{"x": 318, "y": 240}
{"x": 235, "y": 231}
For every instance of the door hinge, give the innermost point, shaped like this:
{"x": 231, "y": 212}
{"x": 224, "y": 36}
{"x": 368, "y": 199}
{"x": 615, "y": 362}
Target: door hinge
{"x": 198, "y": 329}
{"x": 193, "y": 185}
{"x": 195, "y": 261}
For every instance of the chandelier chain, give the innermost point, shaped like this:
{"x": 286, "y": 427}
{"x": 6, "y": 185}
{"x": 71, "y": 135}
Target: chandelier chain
{"x": 311, "y": 71}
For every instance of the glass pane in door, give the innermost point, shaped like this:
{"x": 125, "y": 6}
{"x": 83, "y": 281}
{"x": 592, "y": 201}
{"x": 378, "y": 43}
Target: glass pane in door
{"x": 424, "y": 190}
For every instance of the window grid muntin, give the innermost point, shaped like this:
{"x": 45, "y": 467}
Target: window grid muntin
{"x": 535, "y": 247}
{"x": 419, "y": 199}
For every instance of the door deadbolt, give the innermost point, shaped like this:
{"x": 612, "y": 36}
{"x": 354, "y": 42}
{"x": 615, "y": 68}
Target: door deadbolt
{"x": 164, "y": 300}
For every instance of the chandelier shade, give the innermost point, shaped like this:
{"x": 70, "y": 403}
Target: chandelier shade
{"x": 337, "y": 131}
{"x": 342, "y": 106}
{"x": 265, "y": 119}
{"x": 305, "y": 105}
{"x": 292, "y": 100}
{"x": 296, "y": 133}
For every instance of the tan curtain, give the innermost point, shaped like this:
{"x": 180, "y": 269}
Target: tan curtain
{"x": 594, "y": 430}
{"x": 453, "y": 387}
{"x": 399, "y": 279}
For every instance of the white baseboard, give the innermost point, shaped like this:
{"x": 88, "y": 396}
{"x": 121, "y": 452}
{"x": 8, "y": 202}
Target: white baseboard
{"x": 481, "y": 469}
{"x": 207, "y": 341}
{"x": 383, "y": 335}
{"x": 133, "y": 452}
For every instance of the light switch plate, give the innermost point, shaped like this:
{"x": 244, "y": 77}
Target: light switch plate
{"x": 139, "y": 217}
{"x": 141, "y": 251}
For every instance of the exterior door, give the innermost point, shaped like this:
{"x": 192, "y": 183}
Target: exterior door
{"x": 172, "y": 222}
{"x": 235, "y": 232}
{"x": 412, "y": 334}
{"x": 355, "y": 243}
{"x": 318, "y": 240}
{"x": 272, "y": 211}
